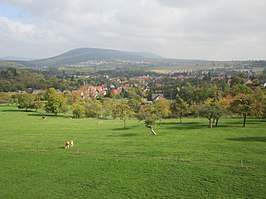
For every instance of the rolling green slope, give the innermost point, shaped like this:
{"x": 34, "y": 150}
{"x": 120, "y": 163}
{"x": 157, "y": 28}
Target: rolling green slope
{"x": 107, "y": 161}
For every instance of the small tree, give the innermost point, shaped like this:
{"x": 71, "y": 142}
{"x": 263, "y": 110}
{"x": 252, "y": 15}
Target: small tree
{"x": 107, "y": 107}
{"x": 39, "y": 104}
{"x": 54, "y": 101}
{"x": 64, "y": 109}
{"x": 5, "y": 98}
{"x": 179, "y": 108}
{"x": 208, "y": 112}
{"x": 219, "y": 111}
{"x": 162, "y": 108}
{"x": 122, "y": 111}
{"x": 93, "y": 108}
{"x": 259, "y": 107}
{"x": 243, "y": 104}
{"x": 134, "y": 105}
{"x": 26, "y": 101}
{"x": 194, "y": 109}
{"x": 78, "y": 110}
{"x": 212, "y": 111}
{"x": 149, "y": 115}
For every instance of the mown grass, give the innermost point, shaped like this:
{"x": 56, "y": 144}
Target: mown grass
{"x": 184, "y": 161}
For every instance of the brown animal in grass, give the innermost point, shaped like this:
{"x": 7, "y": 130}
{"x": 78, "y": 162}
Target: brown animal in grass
{"x": 99, "y": 122}
{"x": 43, "y": 118}
{"x": 69, "y": 144}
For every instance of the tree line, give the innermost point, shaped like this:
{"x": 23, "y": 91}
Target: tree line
{"x": 203, "y": 100}
{"x": 192, "y": 97}
{"x": 13, "y": 80}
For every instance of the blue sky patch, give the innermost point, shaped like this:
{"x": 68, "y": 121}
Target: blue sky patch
{"x": 12, "y": 12}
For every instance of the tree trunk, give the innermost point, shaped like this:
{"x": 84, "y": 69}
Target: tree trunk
{"x": 124, "y": 124}
{"x": 216, "y": 122}
{"x": 245, "y": 120}
{"x": 152, "y": 131}
{"x": 213, "y": 121}
{"x": 210, "y": 123}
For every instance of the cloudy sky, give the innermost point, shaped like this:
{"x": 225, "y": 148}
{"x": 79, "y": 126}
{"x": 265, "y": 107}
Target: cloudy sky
{"x": 191, "y": 29}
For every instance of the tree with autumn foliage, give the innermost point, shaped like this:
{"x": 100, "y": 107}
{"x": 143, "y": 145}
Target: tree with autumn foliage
{"x": 26, "y": 101}
{"x": 179, "y": 108}
{"x": 149, "y": 115}
{"x": 5, "y": 97}
{"x": 162, "y": 107}
{"x": 39, "y": 104}
{"x": 78, "y": 110}
{"x": 93, "y": 108}
{"x": 212, "y": 111}
{"x": 243, "y": 104}
{"x": 134, "y": 105}
{"x": 122, "y": 110}
{"x": 259, "y": 106}
{"x": 107, "y": 107}
{"x": 54, "y": 101}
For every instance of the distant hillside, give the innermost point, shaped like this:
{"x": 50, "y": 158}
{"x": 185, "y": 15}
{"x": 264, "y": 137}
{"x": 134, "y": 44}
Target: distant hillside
{"x": 106, "y": 59}
{"x": 13, "y": 58}
{"x": 81, "y": 55}
{"x": 148, "y": 55}
{"x": 9, "y": 64}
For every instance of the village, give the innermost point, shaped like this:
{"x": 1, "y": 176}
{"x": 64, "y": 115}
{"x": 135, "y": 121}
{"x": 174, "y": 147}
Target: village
{"x": 156, "y": 83}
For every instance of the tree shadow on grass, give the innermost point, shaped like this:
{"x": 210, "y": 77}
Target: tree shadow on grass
{"x": 204, "y": 125}
{"x": 125, "y": 129}
{"x": 45, "y": 114}
{"x": 123, "y": 135}
{"x": 255, "y": 121}
{"x": 249, "y": 121}
{"x": 18, "y": 110}
{"x": 168, "y": 123}
{"x": 248, "y": 139}
{"x": 184, "y": 125}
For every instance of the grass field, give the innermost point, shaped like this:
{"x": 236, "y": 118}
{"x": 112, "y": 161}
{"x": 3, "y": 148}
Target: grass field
{"x": 107, "y": 161}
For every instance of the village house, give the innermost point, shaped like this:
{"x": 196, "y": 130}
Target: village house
{"x": 91, "y": 91}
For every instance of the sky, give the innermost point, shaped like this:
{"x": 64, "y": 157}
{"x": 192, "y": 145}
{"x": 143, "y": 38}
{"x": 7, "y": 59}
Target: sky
{"x": 181, "y": 29}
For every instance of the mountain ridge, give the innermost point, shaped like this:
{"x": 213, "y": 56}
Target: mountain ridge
{"x": 80, "y": 55}
{"x": 102, "y": 59}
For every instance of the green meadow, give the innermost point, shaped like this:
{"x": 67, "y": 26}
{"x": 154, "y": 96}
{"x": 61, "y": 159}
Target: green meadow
{"x": 185, "y": 160}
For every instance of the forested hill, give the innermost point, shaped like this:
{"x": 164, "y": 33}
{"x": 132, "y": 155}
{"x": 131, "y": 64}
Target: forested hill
{"x": 107, "y": 59}
{"x": 91, "y": 55}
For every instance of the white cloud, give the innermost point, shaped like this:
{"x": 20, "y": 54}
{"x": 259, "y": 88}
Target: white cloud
{"x": 11, "y": 28}
{"x": 206, "y": 29}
